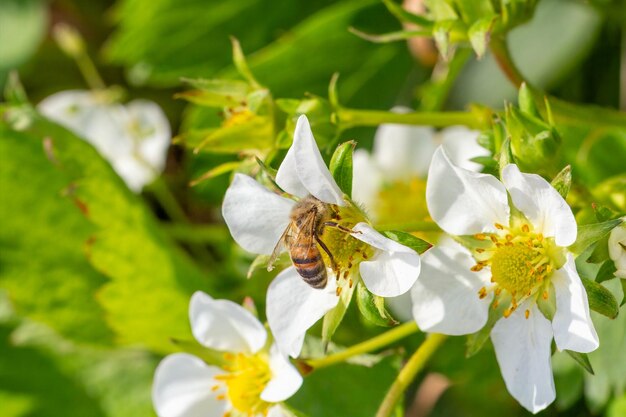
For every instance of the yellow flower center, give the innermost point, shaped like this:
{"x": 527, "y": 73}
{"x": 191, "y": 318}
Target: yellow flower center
{"x": 245, "y": 380}
{"x": 521, "y": 262}
{"x": 347, "y": 251}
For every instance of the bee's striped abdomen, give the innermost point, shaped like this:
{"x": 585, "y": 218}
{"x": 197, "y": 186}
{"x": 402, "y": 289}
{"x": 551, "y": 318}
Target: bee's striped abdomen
{"x": 310, "y": 265}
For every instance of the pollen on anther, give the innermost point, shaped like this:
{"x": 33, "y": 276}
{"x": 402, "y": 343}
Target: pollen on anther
{"x": 338, "y": 291}
{"x": 499, "y": 226}
{"x": 350, "y": 283}
{"x": 221, "y": 397}
{"x": 215, "y": 388}
{"x": 545, "y": 295}
{"x": 527, "y": 313}
{"x": 493, "y": 239}
{"x": 480, "y": 236}
{"x": 525, "y": 228}
{"x": 480, "y": 250}
{"x": 476, "y": 267}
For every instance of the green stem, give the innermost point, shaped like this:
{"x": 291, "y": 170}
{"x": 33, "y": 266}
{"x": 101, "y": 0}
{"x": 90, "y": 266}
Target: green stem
{"x": 348, "y": 118}
{"x": 500, "y": 51}
{"x": 89, "y": 71}
{"x": 167, "y": 201}
{"x": 374, "y": 343}
{"x": 415, "y": 364}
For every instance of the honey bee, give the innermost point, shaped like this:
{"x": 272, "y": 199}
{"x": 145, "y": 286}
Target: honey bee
{"x": 301, "y": 238}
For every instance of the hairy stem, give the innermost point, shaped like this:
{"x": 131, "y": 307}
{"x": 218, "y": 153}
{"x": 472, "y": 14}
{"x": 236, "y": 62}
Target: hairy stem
{"x": 500, "y": 50}
{"x": 372, "y": 344}
{"x": 347, "y": 118}
{"x": 415, "y": 364}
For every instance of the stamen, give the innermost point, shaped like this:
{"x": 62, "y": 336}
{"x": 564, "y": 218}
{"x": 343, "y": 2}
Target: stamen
{"x": 525, "y": 228}
{"x": 527, "y": 314}
{"x": 498, "y": 226}
{"x": 338, "y": 291}
{"x": 480, "y": 236}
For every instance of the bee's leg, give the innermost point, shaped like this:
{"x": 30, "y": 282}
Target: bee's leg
{"x": 325, "y": 248}
{"x": 340, "y": 227}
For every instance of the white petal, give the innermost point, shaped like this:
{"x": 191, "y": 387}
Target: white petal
{"x": 463, "y": 202}
{"x": 572, "y": 325}
{"x": 278, "y": 411}
{"x": 367, "y": 179}
{"x": 134, "y": 173}
{"x": 225, "y": 325}
{"x": 153, "y": 131}
{"x": 445, "y": 297}
{"x": 460, "y": 144}
{"x": 182, "y": 388}
{"x": 287, "y": 175}
{"x": 108, "y": 131}
{"x": 293, "y": 307}
{"x": 401, "y": 150}
{"x": 393, "y": 269}
{"x": 255, "y": 216}
{"x": 286, "y": 379}
{"x": 523, "y": 351}
{"x": 312, "y": 170}
{"x": 617, "y": 246}
{"x": 541, "y": 204}
{"x": 71, "y": 109}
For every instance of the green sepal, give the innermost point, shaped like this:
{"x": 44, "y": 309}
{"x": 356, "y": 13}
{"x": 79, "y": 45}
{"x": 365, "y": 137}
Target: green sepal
{"x": 333, "y": 318}
{"x": 547, "y": 307}
{"x": 606, "y": 271}
{"x": 505, "y": 156}
{"x": 526, "y": 101}
{"x": 372, "y": 307}
{"x": 589, "y": 234}
{"x": 405, "y": 16}
{"x": 563, "y": 181}
{"x": 239, "y": 59}
{"x": 581, "y": 359}
{"x": 341, "y": 166}
{"x": 600, "y": 299}
{"x": 479, "y": 34}
{"x": 418, "y": 245}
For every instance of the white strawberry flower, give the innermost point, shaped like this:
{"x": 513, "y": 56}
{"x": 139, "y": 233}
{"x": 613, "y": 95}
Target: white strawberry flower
{"x": 134, "y": 138}
{"x": 515, "y": 256}
{"x": 401, "y": 155}
{"x": 257, "y": 218}
{"x": 251, "y": 379}
{"x": 617, "y": 249}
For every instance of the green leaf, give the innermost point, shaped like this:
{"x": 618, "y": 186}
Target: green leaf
{"x": 505, "y": 156}
{"x": 239, "y": 59}
{"x": 600, "y": 299}
{"x": 591, "y": 233}
{"x": 44, "y": 265}
{"x": 141, "y": 271}
{"x": 333, "y": 318}
{"x": 563, "y": 181}
{"x": 418, "y": 245}
{"x": 318, "y": 397}
{"x": 39, "y": 384}
{"x": 582, "y": 359}
{"x": 372, "y": 307}
{"x": 341, "y": 166}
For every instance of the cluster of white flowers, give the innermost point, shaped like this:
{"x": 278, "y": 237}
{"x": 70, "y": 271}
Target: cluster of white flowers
{"x": 506, "y": 250}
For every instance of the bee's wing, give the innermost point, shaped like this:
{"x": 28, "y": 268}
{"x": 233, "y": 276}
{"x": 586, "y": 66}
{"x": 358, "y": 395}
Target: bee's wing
{"x": 280, "y": 246}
